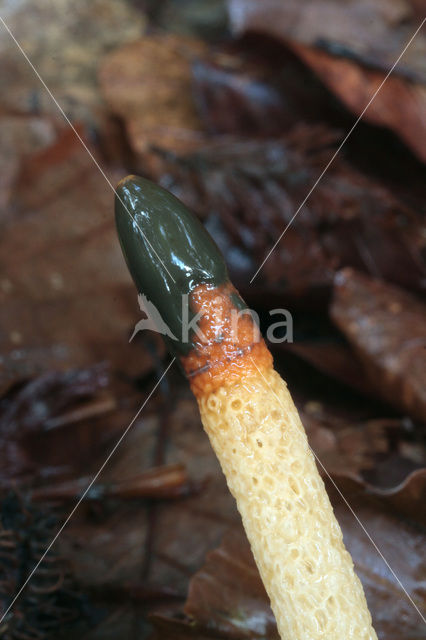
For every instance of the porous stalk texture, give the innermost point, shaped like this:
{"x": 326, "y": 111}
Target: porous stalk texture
{"x": 262, "y": 447}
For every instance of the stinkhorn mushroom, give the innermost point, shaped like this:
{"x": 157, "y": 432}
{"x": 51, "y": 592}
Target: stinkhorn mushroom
{"x": 249, "y": 416}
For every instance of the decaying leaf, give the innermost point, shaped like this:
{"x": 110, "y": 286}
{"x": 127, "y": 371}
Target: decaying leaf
{"x": 66, "y": 299}
{"x": 239, "y": 91}
{"x": 20, "y": 136}
{"x": 165, "y": 482}
{"x": 404, "y": 499}
{"x": 227, "y": 596}
{"x": 371, "y": 31}
{"x": 34, "y": 413}
{"x": 385, "y": 455}
{"x": 386, "y": 327}
{"x": 400, "y": 104}
{"x": 351, "y": 45}
{"x": 394, "y": 616}
{"x": 247, "y": 191}
{"x": 148, "y": 83}
{"x": 227, "y": 600}
{"x": 332, "y": 359}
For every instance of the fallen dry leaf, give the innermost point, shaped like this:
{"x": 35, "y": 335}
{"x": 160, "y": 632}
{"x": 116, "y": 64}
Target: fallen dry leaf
{"x": 332, "y": 359}
{"x": 47, "y": 424}
{"x": 148, "y": 84}
{"x": 350, "y": 46}
{"x": 226, "y": 597}
{"x": 248, "y": 189}
{"x": 239, "y": 91}
{"x": 400, "y": 104}
{"x": 386, "y": 328}
{"x": 404, "y": 499}
{"x": 20, "y": 136}
{"x": 165, "y": 482}
{"x": 393, "y": 614}
{"x": 66, "y": 297}
{"x": 384, "y": 456}
{"x": 372, "y": 32}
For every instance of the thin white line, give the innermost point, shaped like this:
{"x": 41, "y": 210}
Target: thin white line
{"x": 82, "y": 141}
{"x": 114, "y": 449}
{"x": 353, "y": 512}
{"x": 341, "y": 145}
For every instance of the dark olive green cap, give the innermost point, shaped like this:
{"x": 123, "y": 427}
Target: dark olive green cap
{"x": 167, "y": 249}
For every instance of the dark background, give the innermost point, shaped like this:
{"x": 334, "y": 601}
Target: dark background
{"x": 237, "y": 108}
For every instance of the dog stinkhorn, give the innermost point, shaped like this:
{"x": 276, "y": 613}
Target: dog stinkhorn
{"x": 249, "y": 416}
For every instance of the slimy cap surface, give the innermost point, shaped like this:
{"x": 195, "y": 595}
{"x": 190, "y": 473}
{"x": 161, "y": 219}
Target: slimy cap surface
{"x": 167, "y": 250}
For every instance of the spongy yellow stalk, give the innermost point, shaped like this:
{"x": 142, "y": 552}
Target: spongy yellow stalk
{"x": 260, "y": 442}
